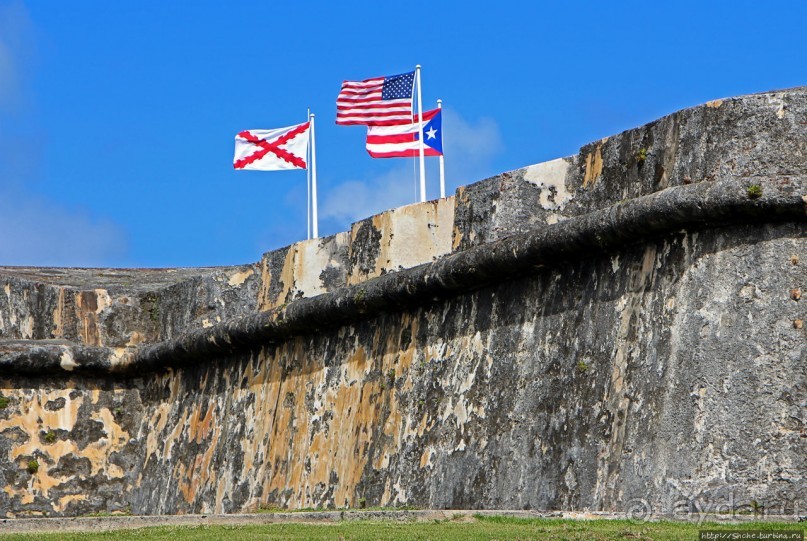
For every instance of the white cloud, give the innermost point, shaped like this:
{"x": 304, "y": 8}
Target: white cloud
{"x": 15, "y": 48}
{"x": 469, "y": 148}
{"x": 354, "y": 199}
{"x": 38, "y": 232}
{"x": 8, "y": 77}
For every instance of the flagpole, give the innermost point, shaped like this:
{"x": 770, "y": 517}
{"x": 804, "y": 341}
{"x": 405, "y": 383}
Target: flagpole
{"x": 308, "y": 185}
{"x": 420, "y": 138}
{"x": 313, "y": 177}
{"x": 442, "y": 164}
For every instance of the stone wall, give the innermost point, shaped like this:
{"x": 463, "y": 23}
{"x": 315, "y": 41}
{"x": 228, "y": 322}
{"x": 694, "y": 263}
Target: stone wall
{"x": 622, "y": 324}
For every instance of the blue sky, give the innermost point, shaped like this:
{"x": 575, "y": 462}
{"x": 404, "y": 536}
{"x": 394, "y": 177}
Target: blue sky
{"x": 117, "y": 119}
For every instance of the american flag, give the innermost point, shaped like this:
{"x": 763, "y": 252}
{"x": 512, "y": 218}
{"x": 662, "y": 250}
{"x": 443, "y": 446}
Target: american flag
{"x": 380, "y": 101}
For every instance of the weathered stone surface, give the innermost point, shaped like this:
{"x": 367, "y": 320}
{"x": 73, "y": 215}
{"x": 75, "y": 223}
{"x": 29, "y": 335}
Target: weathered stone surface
{"x": 304, "y": 269}
{"x": 573, "y": 335}
{"x": 113, "y": 308}
{"x": 390, "y": 241}
{"x": 514, "y": 202}
{"x": 78, "y": 447}
{"x": 400, "y": 238}
{"x": 761, "y": 135}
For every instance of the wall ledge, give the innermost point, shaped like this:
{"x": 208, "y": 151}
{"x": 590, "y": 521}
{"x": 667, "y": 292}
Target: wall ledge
{"x": 694, "y": 206}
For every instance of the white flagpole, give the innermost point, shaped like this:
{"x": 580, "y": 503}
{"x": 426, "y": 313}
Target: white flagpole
{"x": 420, "y": 138}
{"x": 313, "y": 178}
{"x": 442, "y": 164}
{"x": 308, "y": 185}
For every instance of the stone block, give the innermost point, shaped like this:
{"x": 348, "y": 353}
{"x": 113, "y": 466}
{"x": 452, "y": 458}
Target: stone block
{"x": 512, "y": 202}
{"x": 400, "y": 238}
{"x": 304, "y": 269}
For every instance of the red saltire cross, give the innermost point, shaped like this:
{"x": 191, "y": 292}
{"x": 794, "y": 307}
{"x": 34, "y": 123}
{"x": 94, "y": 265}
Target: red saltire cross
{"x": 273, "y": 147}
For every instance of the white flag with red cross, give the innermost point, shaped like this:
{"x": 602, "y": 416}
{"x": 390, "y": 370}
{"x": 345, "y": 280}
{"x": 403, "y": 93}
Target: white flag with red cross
{"x": 272, "y": 150}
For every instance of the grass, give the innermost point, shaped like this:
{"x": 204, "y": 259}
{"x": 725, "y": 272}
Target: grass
{"x": 321, "y": 510}
{"x": 457, "y": 529}
{"x": 641, "y": 156}
{"x": 581, "y": 367}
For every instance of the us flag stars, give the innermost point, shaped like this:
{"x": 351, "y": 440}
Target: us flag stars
{"x": 398, "y": 86}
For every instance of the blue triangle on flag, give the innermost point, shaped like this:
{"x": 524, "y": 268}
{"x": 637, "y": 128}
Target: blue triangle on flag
{"x": 433, "y": 133}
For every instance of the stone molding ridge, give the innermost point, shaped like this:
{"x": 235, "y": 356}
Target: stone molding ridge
{"x": 705, "y": 204}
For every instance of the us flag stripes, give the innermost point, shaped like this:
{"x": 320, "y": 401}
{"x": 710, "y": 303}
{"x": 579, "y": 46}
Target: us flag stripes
{"x": 380, "y": 101}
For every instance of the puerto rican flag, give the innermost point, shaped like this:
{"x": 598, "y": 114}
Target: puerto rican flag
{"x": 401, "y": 140}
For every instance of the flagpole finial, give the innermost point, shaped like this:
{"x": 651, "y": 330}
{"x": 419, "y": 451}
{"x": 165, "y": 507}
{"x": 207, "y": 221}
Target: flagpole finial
{"x": 439, "y": 103}
{"x": 417, "y": 67}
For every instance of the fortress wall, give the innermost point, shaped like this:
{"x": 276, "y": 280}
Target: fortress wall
{"x": 756, "y": 136}
{"x": 653, "y": 373}
{"x": 387, "y": 242}
{"x": 93, "y": 316}
{"x": 121, "y": 308}
{"x": 569, "y": 342}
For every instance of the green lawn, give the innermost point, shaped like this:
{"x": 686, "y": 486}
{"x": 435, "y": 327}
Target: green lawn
{"x": 481, "y": 528}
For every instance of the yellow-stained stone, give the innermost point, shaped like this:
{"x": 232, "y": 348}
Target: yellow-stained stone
{"x": 410, "y": 236}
